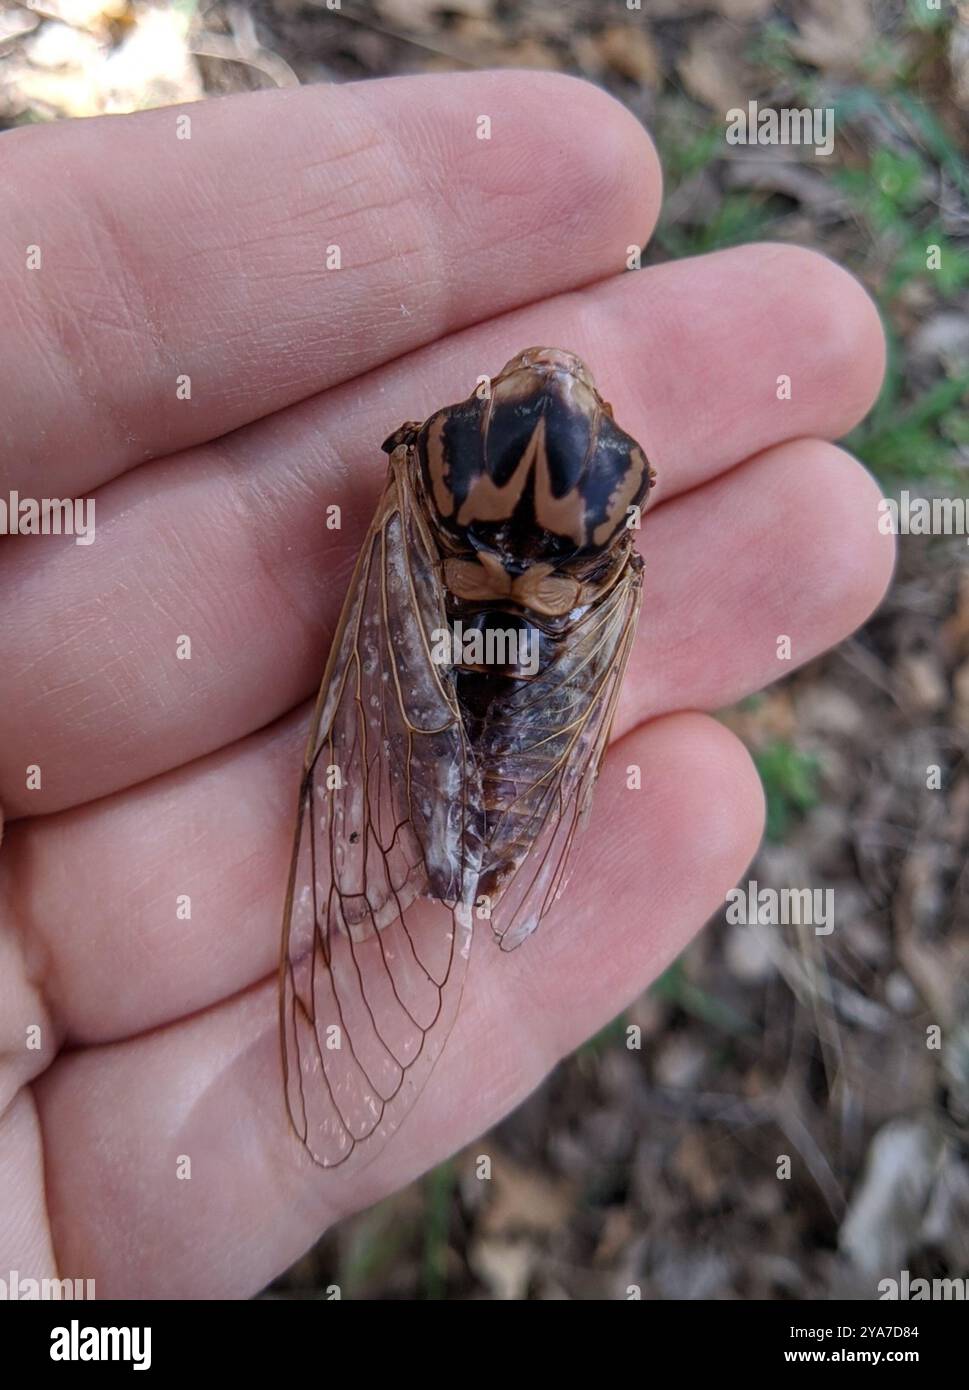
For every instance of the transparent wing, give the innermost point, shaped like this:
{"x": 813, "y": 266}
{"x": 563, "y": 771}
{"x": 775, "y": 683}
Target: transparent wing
{"x": 544, "y": 754}
{"x": 371, "y": 971}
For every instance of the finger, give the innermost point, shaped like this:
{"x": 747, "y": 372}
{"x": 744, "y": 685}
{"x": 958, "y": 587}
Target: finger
{"x": 229, "y": 545}
{"x": 209, "y": 1088}
{"x": 170, "y": 265}
{"x": 753, "y": 575}
{"x": 24, "y": 1234}
{"x": 796, "y": 553}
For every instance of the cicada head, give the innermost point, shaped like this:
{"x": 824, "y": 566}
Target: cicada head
{"x": 532, "y": 467}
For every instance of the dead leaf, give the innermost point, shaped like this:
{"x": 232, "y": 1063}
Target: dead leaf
{"x": 835, "y": 35}
{"x": 691, "y": 1163}
{"x": 522, "y": 1200}
{"x": 503, "y": 1266}
{"x": 630, "y": 51}
{"x": 714, "y": 70}
{"x": 882, "y": 1222}
{"x": 922, "y": 681}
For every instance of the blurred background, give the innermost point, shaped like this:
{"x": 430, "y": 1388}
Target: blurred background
{"x": 657, "y": 1168}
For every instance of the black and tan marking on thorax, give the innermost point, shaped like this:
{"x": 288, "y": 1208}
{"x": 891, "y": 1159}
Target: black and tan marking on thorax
{"x": 530, "y": 486}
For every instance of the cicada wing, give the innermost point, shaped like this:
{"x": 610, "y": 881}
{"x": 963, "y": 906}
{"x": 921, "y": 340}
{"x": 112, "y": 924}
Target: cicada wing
{"x": 549, "y": 747}
{"x": 371, "y": 970}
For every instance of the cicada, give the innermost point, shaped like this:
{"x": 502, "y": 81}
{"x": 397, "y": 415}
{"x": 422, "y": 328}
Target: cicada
{"x": 460, "y": 725}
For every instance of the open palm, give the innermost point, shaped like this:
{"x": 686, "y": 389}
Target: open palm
{"x": 189, "y": 353}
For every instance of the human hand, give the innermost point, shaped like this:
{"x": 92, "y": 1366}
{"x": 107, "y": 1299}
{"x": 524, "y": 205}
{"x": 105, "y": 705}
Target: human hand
{"x": 164, "y": 259}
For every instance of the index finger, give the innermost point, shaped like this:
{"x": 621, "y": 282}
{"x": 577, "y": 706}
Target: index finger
{"x": 162, "y": 290}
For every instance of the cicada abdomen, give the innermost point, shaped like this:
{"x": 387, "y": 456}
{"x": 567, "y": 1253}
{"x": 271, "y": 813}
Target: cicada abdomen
{"x": 461, "y": 722}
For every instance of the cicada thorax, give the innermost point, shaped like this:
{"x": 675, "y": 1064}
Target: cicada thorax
{"x": 535, "y": 470}
{"x": 530, "y": 489}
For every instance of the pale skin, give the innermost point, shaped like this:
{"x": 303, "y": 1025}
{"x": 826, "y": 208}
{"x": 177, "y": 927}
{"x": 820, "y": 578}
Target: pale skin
{"x": 160, "y": 778}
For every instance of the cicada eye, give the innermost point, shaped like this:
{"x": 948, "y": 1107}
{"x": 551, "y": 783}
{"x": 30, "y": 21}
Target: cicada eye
{"x": 406, "y": 435}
